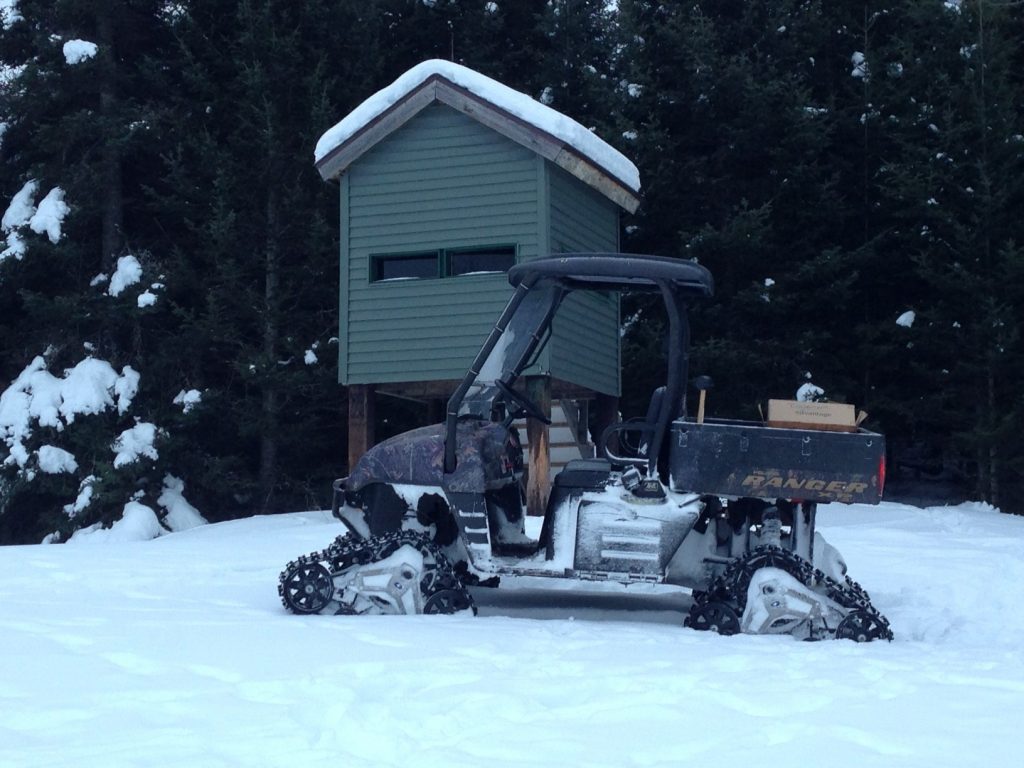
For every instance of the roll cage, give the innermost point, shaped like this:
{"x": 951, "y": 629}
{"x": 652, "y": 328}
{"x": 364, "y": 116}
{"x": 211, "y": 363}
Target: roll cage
{"x": 525, "y": 323}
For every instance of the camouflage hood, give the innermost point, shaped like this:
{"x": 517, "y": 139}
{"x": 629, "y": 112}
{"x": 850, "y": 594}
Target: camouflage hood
{"x": 485, "y": 452}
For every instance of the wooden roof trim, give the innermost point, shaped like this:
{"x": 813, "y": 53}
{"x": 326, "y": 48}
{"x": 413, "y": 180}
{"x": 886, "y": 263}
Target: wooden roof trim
{"x": 594, "y": 176}
{"x": 335, "y": 162}
{"x": 543, "y": 143}
{"x": 497, "y": 119}
{"x": 440, "y": 89}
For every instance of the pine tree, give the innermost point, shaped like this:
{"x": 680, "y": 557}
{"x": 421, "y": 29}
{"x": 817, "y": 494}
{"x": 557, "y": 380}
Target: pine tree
{"x": 82, "y": 110}
{"x": 503, "y": 40}
{"x": 954, "y": 195}
{"x": 255, "y": 263}
{"x": 577, "y": 67}
{"x": 732, "y": 145}
{"x": 864, "y": 159}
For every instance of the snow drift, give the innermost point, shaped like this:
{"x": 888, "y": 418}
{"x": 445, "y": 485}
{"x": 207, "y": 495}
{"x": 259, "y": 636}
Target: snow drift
{"x": 176, "y": 652}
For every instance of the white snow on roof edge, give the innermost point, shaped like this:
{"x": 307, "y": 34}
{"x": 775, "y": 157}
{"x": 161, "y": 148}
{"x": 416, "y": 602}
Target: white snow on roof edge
{"x": 519, "y": 104}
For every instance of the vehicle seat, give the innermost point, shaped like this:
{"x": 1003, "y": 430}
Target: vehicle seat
{"x": 584, "y": 473}
{"x": 633, "y": 436}
{"x": 578, "y": 476}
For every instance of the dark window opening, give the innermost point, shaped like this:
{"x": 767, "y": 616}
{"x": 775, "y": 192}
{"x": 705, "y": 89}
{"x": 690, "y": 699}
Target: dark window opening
{"x": 444, "y": 262}
{"x": 466, "y": 261}
{"x": 404, "y": 266}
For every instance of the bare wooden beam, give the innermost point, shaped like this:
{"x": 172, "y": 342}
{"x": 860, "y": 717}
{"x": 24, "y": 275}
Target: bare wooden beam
{"x": 538, "y": 485}
{"x": 419, "y": 390}
{"x": 360, "y": 421}
{"x": 566, "y": 390}
{"x": 426, "y": 390}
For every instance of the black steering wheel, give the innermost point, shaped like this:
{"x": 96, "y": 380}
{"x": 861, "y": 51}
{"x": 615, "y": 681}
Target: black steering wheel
{"x": 528, "y": 407}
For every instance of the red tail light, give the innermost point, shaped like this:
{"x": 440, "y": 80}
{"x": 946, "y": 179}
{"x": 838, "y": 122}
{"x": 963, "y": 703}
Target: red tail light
{"x": 881, "y": 475}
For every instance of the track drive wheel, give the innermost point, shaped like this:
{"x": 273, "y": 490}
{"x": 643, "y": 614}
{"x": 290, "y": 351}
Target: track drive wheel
{"x": 861, "y": 627}
{"x": 449, "y": 601}
{"x": 715, "y": 616}
{"x": 306, "y": 588}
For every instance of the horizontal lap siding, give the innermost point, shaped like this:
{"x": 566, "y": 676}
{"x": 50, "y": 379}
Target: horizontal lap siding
{"x": 585, "y": 339}
{"x": 440, "y": 181}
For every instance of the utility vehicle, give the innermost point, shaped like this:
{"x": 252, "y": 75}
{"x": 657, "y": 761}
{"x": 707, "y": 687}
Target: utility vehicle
{"x": 724, "y": 508}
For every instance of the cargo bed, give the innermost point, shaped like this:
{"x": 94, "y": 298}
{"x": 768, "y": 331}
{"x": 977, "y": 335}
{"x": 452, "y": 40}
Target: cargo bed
{"x": 744, "y": 458}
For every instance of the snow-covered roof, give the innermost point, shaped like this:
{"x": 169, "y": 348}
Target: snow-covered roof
{"x": 563, "y": 140}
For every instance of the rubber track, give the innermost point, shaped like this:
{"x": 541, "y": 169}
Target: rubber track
{"x": 731, "y": 586}
{"x": 347, "y": 552}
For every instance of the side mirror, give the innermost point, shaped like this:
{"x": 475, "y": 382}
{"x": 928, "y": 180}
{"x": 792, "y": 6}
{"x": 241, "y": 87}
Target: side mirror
{"x": 703, "y": 384}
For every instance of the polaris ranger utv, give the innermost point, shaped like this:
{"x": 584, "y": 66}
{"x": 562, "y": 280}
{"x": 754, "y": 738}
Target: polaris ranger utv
{"x": 724, "y": 508}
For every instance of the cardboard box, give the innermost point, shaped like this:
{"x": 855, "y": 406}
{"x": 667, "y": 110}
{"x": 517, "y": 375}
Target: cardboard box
{"x": 792, "y": 414}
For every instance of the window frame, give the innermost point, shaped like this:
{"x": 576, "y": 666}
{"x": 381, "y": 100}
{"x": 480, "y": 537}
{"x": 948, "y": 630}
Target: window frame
{"x": 377, "y": 260}
{"x": 443, "y": 258}
{"x": 447, "y": 255}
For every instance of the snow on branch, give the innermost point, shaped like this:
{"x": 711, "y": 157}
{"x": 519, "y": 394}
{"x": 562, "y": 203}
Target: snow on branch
{"x": 20, "y": 211}
{"x": 22, "y": 207}
{"x": 49, "y": 216}
{"x": 37, "y": 397}
{"x": 15, "y": 247}
{"x": 188, "y": 400}
{"x": 180, "y": 514}
{"x": 128, "y": 272}
{"x": 135, "y": 443}
{"x": 9, "y": 13}
{"x": 138, "y": 523}
{"x": 84, "y": 498}
{"x": 55, "y": 461}
{"x": 77, "y": 51}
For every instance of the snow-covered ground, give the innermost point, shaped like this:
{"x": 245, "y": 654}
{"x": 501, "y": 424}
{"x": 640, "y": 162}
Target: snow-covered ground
{"x": 176, "y": 652}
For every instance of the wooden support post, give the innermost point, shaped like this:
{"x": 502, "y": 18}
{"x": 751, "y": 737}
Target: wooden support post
{"x": 538, "y": 485}
{"x": 360, "y": 421}
{"x": 606, "y": 413}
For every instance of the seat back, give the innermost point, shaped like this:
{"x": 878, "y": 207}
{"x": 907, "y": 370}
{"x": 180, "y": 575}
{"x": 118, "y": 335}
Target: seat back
{"x": 636, "y": 436}
{"x": 650, "y": 421}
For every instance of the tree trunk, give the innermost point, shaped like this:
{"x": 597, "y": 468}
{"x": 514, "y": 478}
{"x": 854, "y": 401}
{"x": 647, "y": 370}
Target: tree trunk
{"x": 110, "y": 187}
{"x": 112, "y": 184}
{"x": 269, "y": 404}
{"x": 993, "y": 450}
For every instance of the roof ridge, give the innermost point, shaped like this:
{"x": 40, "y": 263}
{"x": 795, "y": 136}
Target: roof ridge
{"x": 513, "y": 104}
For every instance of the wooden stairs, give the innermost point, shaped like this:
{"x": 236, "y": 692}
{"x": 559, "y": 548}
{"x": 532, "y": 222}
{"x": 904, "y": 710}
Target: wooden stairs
{"x": 568, "y": 434}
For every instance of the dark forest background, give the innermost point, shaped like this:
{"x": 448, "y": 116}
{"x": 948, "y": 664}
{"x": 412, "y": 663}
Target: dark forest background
{"x": 833, "y": 163}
